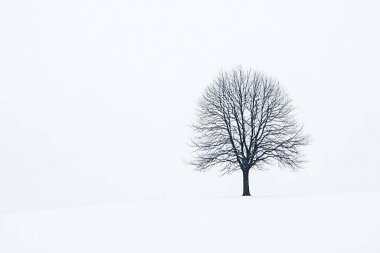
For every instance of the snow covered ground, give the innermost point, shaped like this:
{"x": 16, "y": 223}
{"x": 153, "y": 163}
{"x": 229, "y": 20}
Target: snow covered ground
{"x": 314, "y": 223}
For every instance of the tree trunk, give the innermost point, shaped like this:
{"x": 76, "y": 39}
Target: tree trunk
{"x": 246, "y": 183}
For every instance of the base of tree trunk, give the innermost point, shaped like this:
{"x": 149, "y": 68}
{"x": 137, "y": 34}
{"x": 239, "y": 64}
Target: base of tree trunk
{"x": 246, "y": 191}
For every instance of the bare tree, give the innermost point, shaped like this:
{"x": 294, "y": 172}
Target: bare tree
{"x": 245, "y": 120}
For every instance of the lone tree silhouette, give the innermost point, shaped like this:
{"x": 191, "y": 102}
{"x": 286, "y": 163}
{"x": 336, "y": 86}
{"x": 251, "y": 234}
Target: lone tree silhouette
{"x": 245, "y": 120}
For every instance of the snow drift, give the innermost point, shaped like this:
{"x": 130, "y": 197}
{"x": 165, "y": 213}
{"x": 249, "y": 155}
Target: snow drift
{"x": 319, "y": 223}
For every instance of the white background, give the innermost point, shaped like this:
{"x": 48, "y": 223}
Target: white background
{"x": 96, "y": 97}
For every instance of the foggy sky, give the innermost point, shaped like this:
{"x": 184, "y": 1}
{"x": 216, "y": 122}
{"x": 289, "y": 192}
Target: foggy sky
{"x": 97, "y": 97}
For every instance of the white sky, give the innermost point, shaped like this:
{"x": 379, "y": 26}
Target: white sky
{"x": 96, "y": 97}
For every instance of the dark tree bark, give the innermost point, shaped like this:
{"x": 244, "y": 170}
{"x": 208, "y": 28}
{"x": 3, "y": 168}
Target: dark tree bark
{"x": 246, "y": 183}
{"x": 245, "y": 121}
